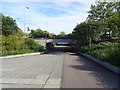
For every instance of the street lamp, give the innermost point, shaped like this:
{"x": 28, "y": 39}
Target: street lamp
{"x": 45, "y": 38}
{"x": 24, "y": 25}
{"x": 25, "y": 7}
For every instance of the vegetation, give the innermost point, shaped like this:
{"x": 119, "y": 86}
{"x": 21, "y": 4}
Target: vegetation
{"x": 12, "y": 41}
{"x": 109, "y": 53}
{"x": 53, "y": 35}
{"x": 14, "y": 44}
{"x": 87, "y": 32}
{"x": 62, "y": 33}
{"x": 9, "y": 25}
{"x": 31, "y": 44}
{"x": 37, "y": 32}
{"x": 53, "y": 44}
{"x": 103, "y": 18}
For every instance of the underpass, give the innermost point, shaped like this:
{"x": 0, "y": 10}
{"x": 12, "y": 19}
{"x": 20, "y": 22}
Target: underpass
{"x": 44, "y": 42}
{"x": 61, "y": 67}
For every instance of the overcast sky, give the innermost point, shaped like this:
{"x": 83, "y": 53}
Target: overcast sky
{"x": 51, "y": 15}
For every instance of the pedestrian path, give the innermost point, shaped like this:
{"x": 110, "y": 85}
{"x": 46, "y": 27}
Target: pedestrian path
{"x": 39, "y": 71}
{"x": 79, "y": 72}
{"x": 55, "y": 70}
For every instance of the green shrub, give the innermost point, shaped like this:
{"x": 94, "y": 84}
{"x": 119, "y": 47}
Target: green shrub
{"x": 39, "y": 48}
{"x": 23, "y": 51}
{"x": 53, "y": 44}
{"x": 33, "y": 45}
{"x": 109, "y": 53}
{"x": 113, "y": 56}
{"x": 14, "y": 44}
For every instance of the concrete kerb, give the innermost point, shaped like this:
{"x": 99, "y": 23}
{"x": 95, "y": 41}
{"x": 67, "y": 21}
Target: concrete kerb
{"x": 102, "y": 63}
{"x": 22, "y": 55}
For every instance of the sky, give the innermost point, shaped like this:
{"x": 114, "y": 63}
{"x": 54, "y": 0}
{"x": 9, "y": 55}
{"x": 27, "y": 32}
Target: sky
{"x": 53, "y": 16}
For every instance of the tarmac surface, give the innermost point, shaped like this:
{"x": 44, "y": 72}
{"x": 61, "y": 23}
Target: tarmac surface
{"x": 56, "y": 69}
{"x": 79, "y": 72}
{"x": 39, "y": 71}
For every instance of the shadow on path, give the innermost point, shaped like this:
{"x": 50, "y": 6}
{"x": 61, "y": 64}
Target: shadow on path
{"x": 104, "y": 76}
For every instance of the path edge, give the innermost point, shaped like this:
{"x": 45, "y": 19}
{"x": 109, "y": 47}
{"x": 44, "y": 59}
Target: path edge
{"x": 22, "y": 55}
{"x": 102, "y": 63}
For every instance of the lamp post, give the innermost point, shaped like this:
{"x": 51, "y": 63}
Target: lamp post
{"x": 25, "y": 7}
{"x": 45, "y": 39}
{"x": 46, "y": 34}
{"x": 23, "y": 19}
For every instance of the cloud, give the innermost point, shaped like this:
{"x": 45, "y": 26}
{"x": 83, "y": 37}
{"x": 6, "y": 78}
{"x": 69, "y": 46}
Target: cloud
{"x": 48, "y": 0}
{"x": 60, "y": 16}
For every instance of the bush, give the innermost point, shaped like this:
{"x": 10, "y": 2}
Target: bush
{"x": 109, "y": 53}
{"x": 14, "y": 44}
{"x": 39, "y": 48}
{"x": 33, "y": 45}
{"x": 53, "y": 44}
{"x": 113, "y": 56}
{"x": 23, "y": 51}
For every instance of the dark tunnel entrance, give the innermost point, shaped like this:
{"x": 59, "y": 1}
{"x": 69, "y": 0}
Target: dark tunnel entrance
{"x": 60, "y": 47}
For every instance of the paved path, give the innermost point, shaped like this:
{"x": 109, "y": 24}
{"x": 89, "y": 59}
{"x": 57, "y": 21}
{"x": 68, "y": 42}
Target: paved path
{"x": 82, "y": 73}
{"x": 39, "y": 71}
{"x": 45, "y": 71}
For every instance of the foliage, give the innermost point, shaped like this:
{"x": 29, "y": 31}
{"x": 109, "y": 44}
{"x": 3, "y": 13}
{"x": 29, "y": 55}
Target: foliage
{"x": 108, "y": 13}
{"x": 104, "y": 17}
{"x": 52, "y": 34}
{"x": 9, "y": 25}
{"x": 53, "y": 44}
{"x": 109, "y": 53}
{"x": 88, "y": 32}
{"x": 22, "y": 51}
{"x": 62, "y": 33}
{"x": 37, "y": 32}
{"x": 33, "y": 45}
{"x": 14, "y": 44}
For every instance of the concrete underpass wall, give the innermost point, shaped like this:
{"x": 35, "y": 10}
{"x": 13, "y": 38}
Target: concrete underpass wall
{"x": 58, "y": 41}
{"x": 59, "y": 48}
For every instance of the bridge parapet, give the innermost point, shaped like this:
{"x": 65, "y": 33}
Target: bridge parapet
{"x": 58, "y": 41}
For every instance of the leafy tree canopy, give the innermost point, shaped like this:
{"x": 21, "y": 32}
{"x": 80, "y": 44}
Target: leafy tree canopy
{"x": 62, "y": 33}
{"x": 38, "y": 32}
{"x": 9, "y": 25}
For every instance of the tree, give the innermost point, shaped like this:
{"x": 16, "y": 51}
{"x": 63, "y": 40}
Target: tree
{"x": 108, "y": 14}
{"x": 62, "y": 33}
{"x": 9, "y": 25}
{"x": 37, "y": 32}
{"x": 53, "y": 35}
{"x": 87, "y": 32}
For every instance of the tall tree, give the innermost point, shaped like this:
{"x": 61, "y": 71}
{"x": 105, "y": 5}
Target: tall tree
{"x": 9, "y": 25}
{"x": 106, "y": 13}
{"x": 37, "y": 32}
{"x": 87, "y": 32}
